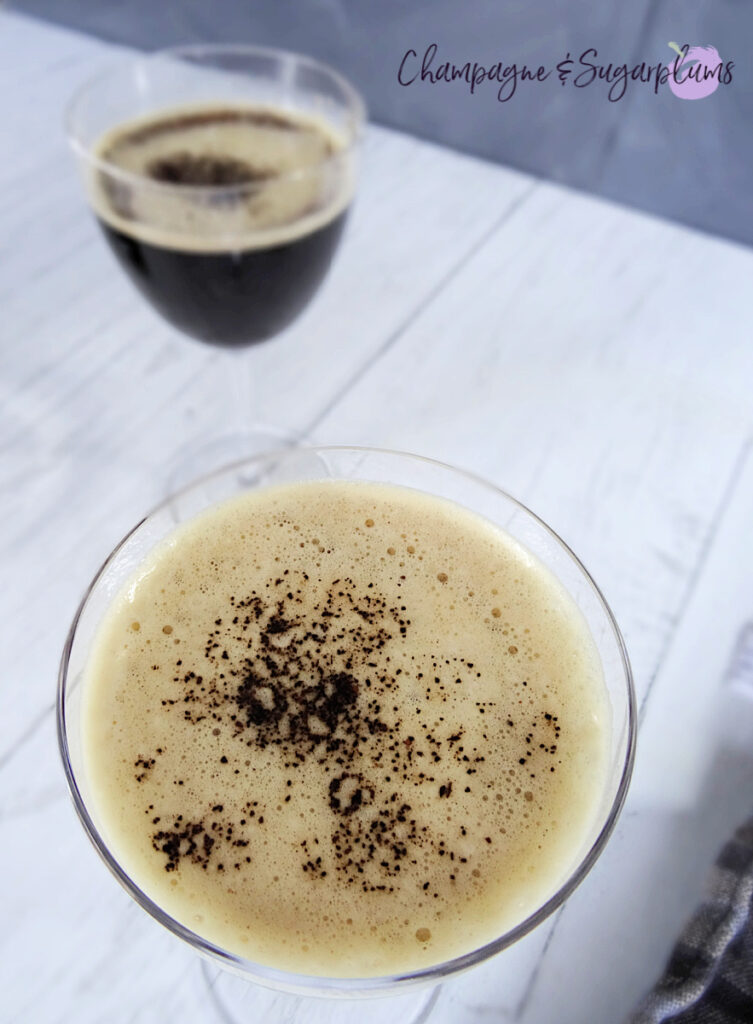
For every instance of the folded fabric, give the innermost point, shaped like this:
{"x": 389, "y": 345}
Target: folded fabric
{"x": 709, "y": 978}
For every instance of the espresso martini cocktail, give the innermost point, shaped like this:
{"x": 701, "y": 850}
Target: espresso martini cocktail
{"x": 344, "y": 728}
{"x": 225, "y": 216}
{"x": 221, "y": 176}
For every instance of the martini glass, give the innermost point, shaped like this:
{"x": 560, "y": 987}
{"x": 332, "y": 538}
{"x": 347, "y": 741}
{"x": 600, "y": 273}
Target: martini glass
{"x": 246, "y": 991}
{"x": 221, "y": 177}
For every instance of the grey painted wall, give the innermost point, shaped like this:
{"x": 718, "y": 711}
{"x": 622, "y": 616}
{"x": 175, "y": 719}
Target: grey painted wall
{"x": 689, "y": 161}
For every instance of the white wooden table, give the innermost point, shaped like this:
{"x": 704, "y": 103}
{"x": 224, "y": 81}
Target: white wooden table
{"x": 595, "y": 362}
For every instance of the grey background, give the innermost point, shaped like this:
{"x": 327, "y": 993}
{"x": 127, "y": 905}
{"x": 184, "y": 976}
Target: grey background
{"x": 687, "y": 161}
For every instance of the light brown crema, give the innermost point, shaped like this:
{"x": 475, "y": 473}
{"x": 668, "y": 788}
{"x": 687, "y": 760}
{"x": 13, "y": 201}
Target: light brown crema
{"x": 208, "y": 178}
{"x": 345, "y": 729}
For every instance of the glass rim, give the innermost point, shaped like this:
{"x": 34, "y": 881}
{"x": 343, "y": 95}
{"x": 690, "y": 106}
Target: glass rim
{"x": 354, "y": 102}
{"x": 321, "y": 985}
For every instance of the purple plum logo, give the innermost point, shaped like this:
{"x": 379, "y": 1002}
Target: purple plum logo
{"x": 696, "y": 71}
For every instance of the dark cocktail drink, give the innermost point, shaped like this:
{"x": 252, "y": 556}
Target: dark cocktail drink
{"x": 225, "y": 217}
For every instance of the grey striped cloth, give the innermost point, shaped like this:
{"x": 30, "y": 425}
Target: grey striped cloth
{"x": 709, "y": 978}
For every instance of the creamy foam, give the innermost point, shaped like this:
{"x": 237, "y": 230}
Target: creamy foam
{"x": 345, "y": 729}
{"x": 282, "y": 176}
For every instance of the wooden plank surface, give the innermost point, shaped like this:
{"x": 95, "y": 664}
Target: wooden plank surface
{"x": 594, "y": 362}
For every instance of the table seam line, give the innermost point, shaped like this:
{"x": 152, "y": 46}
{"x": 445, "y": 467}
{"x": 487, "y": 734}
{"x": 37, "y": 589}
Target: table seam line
{"x": 417, "y": 312}
{"x": 528, "y": 991}
{"x": 29, "y": 733}
{"x": 726, "y": 499}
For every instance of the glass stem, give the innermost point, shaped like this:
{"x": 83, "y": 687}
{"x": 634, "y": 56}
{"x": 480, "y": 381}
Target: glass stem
{"x": 240, "y": 376}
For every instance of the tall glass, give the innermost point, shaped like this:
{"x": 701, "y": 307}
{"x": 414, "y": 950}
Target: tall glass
{"x": 240, "y": 1001}
{"x": 221, "y": 177}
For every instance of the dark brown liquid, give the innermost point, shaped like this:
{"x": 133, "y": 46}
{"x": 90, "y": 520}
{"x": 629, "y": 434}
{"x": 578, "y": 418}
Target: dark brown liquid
{"x": 229, "y": 298}
{"x": 232, "y": 267}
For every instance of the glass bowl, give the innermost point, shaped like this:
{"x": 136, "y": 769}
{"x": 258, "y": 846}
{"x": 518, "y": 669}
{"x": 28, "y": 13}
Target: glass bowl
{"x": 378, "y": 466}
{"x": 230, "y": 256}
